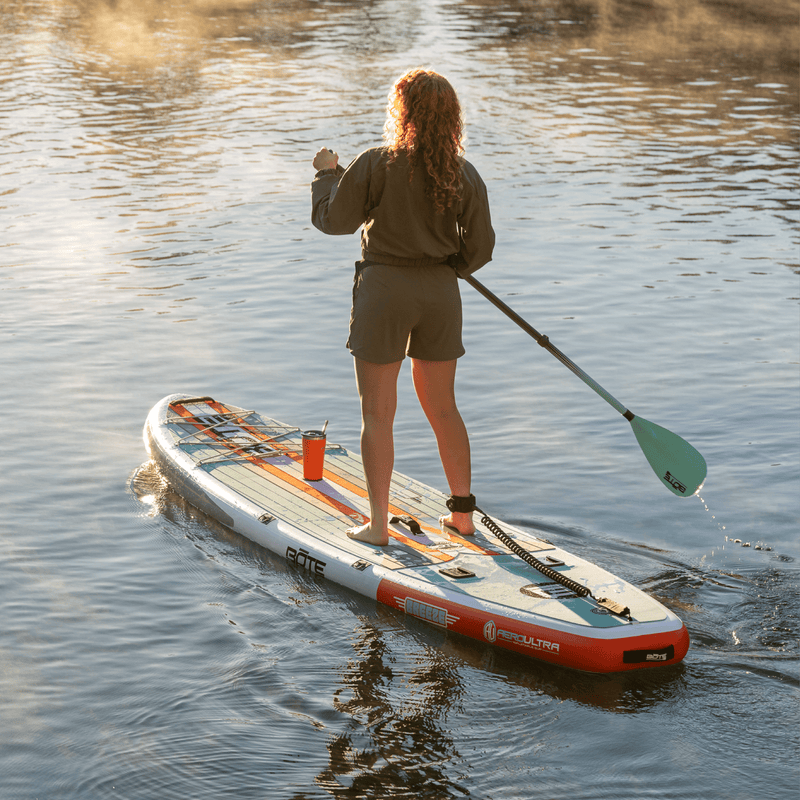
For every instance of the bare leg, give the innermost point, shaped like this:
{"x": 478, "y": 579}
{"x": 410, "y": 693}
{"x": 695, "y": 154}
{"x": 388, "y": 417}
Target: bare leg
{"x": 434, "y": 383}
{"x": 377, "y": 388}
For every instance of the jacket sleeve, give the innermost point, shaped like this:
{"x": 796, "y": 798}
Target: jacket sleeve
{"x": 340, "y": 198}
{"x": 474, "y": 226}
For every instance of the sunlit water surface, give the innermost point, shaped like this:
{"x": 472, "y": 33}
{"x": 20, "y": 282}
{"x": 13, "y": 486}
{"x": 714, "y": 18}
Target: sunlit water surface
{"x": 641, "y": 160}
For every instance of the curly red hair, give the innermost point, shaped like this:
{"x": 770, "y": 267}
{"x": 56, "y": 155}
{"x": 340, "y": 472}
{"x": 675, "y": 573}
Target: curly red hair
{"x": 423, "y": 119}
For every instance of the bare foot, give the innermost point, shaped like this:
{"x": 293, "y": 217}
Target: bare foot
{"x": 458, "y": 523}
{"x": 366, "y": 534}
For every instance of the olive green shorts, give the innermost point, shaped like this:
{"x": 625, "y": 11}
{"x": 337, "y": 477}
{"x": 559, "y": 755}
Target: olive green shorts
{"x": 405, "y": 311}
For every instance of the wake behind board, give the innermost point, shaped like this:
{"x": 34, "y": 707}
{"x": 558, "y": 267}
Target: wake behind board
{"x": 246, "y": 471}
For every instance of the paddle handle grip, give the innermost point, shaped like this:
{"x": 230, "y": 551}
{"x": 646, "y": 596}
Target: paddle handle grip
{"x": 544, "y": 341}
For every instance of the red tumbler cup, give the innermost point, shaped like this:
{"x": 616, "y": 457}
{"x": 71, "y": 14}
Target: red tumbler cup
{"x": 313, "y": 455}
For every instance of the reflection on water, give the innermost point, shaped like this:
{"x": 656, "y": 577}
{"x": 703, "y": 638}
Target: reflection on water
{"x": 399, "y": 743}
{"x": 171, "y": 44}
{"x": 759, "y": 33}
{"x": 113, "y": 104}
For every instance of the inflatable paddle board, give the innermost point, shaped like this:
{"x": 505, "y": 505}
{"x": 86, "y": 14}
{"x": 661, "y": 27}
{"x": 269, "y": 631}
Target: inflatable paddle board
{"x": 519, "y": 592}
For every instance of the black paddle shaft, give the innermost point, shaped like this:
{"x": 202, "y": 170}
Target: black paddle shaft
{"x": 544, "y": 341}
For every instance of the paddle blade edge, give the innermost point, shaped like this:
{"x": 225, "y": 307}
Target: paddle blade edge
{"x": 678, "y": 465}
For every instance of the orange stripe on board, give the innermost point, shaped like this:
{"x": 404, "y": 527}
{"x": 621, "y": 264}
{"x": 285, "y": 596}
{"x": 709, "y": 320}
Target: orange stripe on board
{"x": 348, "y": 511}
{"x": 358, "y": 490}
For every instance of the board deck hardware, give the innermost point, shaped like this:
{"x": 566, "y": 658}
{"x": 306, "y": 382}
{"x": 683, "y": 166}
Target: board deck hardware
{"x": 245, "y": 470}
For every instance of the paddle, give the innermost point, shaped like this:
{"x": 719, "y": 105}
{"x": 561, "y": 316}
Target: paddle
{"x": 677, "y": 464}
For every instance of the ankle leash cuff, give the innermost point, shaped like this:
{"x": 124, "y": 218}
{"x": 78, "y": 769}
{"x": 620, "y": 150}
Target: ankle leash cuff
{"x": 461, "y": 505}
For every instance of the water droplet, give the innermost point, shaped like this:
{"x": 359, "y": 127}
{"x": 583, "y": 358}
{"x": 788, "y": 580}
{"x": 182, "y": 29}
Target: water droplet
{"x": 722, "y": 527}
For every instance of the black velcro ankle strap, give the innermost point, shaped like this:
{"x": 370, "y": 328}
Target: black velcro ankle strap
{"x": 461, "y": 505}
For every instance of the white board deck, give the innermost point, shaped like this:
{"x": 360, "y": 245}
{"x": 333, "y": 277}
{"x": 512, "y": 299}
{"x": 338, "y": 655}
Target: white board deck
{"x": 246, "y": 471}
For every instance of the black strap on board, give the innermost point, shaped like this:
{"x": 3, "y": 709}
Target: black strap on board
{"x": 409, "y": 522}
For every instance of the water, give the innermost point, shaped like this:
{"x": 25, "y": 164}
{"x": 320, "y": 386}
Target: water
{"x": 641, "y": 161}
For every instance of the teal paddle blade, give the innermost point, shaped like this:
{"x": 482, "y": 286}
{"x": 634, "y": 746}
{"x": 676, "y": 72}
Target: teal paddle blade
{"x": 676, "y": 463}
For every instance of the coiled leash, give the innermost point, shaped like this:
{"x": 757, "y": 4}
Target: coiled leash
{"x": 465, "y": 505}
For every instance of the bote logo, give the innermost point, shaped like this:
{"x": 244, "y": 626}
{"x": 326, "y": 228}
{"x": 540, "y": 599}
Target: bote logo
{"x": 304, "y": 560}
{"x": 673, "y": 481}
{"x": 490, "y": 631}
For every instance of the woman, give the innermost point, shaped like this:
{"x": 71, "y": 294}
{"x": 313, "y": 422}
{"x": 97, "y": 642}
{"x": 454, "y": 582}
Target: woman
{"x": 424, "y": 211}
